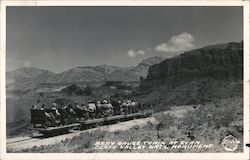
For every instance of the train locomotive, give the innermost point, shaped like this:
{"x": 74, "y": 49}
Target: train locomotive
{"x": 58, "y": 120}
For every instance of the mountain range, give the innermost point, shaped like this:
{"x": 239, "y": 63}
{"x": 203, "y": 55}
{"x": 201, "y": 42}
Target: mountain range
{"x": 24, "y": 77}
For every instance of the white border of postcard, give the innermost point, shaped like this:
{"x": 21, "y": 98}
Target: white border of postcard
{"x": 4, "y": 155}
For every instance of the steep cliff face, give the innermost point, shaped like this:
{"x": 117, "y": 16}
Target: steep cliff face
{"x": 218, "y": 62}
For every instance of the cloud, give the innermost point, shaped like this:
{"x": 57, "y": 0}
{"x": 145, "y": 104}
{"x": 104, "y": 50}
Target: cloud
{"x": 177, "y": 43}
{"x": 132, "y": 53}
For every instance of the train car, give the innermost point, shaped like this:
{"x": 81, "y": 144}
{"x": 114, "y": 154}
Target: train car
{"x": 44, "y": 125}
{"x": 41, "y": 124}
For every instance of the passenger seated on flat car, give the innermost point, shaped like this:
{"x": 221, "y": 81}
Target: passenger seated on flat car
{"x": 133, "y": 106}
{"x": 77, "y": 110}
{"x": 80, "y": 110}
{"x": 92, "y": 109}
{"x": 98, "y": 109}
{"x": 83, "y": 107}
{"x": 104, "y": 108}
{"x": 71, "y": 115}
{"x": 64, "y": 115}
{"x": 110, "y": 109}
{"x": 85, "y": 111}
{"x": 116, "y": 107}
{"x": 71, "y": 110}
{"x": 56, "y": 113}
{"x": 50, "y": 118}
{"x": 91, "y": 106}
{"x": 125, "y": 108}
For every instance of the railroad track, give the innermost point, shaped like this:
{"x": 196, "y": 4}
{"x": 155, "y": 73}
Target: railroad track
{"x": 23, "y": 140}
{"x": 22, "y": 143}
{"x": 17, "y": 141}
{"x": 29, "y": 142}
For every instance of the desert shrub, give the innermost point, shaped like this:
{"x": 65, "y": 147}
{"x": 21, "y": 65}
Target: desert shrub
{"x": 112, "y": 83}
{"x": 124, "y": 87}
{"x": 88, "y": 91}
{"x": 117, "y": 95}
{"x": 215, "y": 115}
{"x": 165, "y": 121}
{"x": 41, "y": 94}
{"x": 82, "y": 143}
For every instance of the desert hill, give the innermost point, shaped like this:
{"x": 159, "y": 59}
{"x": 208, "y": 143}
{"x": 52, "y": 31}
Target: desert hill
{"x": 26, "y": 78}
{"x": 195, "y": 77}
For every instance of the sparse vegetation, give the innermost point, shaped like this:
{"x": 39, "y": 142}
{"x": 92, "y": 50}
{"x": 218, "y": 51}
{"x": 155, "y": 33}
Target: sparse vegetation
{"x": 208, "y": 123}
{"x": 41, "y": 94}
{"x": 88, "y": 91}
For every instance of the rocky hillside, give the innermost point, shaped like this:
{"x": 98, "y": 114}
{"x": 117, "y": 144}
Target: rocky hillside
{"x": 134, "y": 73}
{"x": 218, "y": 62}
{"x": 108, "y": 72}
{"x": 86, "y": 73}
{"x": 26, "y": 73}
{"x": 26, "y": 78}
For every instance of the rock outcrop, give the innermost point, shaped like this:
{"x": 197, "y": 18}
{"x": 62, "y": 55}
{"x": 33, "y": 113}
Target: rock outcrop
{"x": 219, "y": 62}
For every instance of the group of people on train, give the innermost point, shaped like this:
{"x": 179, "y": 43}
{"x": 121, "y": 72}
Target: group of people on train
{"x": 56, "y": 114}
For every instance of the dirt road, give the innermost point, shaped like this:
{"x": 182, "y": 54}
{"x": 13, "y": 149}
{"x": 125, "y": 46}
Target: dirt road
{"x": 28, "y": 142}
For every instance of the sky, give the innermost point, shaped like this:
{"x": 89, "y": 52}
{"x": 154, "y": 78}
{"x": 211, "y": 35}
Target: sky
{"x": 60, "y": 38}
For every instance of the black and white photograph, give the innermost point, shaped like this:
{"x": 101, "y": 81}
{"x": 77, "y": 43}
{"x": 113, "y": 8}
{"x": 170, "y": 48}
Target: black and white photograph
{"x": 125, "y": 79}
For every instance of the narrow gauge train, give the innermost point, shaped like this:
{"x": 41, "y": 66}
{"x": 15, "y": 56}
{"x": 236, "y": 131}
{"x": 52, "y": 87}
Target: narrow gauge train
{"x": 81, "y": 119}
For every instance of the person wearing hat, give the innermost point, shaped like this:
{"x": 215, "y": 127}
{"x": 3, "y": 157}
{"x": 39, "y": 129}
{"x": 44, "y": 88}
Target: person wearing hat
{"x": 104, "y": 101}
{"x": 116, "y": 107}
{"x": 65, "y": 115}
{"x": 92, "y": 109}
{"x": 71, "y": 113}
{"x": 85, "y": 111}
{"x": 125, "y": 107}
{"x": 78, "y": 110}
{"x": 48, "y": 116}
{"x": 54, "y": 108}
{"x": 129, "y": 106}
{"x": 91, "y": 106}
{"x": 98, "y": 109}
{"x": 105, "y": 108}
{"x": 56, "y": 113}
{"x": 71, "y": 110}
{"x": 110, "y": 109}
{"x": 133, "y": 106}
